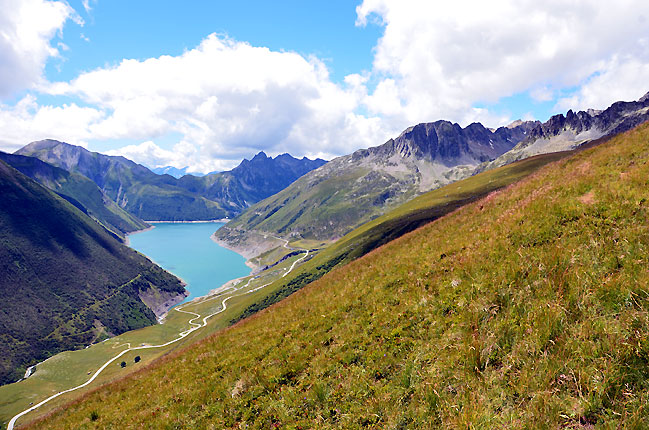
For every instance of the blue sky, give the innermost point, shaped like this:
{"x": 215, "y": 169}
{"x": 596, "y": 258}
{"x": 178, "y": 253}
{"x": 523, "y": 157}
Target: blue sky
{"x": 119, "y": 29}
{"x": 206, "y": 83}
{"x": 153, "y": 28}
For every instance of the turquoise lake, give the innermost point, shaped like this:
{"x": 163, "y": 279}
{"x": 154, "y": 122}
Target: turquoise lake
{"x": 187, "y": 251}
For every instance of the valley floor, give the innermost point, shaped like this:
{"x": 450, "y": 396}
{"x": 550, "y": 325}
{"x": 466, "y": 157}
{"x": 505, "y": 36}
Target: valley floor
{"x": 64, "y": 376}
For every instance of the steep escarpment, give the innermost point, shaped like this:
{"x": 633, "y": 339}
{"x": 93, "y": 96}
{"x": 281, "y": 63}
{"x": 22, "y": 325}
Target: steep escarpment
{"x": 66, "y": 281}
{"x": 78, "y": 190}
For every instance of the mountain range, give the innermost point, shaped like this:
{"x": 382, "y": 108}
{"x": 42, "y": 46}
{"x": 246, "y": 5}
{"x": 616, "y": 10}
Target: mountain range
{"x": 524, "y": 309}
{"x": 562, "y": 132}
{"x": 150, "y": 196}
{"x": 351, "y": 190}
{"x": 83, "y": 193}
{"x": 66, "y": 280}
{"x": 171, "y": 171}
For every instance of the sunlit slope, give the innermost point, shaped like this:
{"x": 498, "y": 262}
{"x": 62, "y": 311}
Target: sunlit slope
{"x": 331, "y": 201}
{"x": 396, "y": 223}
{"x": 525, "y": 309}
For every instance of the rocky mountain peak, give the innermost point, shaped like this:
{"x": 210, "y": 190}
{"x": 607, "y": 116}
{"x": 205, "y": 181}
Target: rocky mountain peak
{"x": 261, "y": 155}
{"x": 644, "y": 98}
{"x": 450, "y": 144}
{"x": 40, "y": 145}
{"x": 515, "y": 124}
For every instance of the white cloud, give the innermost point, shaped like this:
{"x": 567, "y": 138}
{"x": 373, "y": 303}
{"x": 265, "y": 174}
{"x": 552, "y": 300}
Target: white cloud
{"x": 26, "y": 30}
{"x": 542, "y": 94}
{"x": 183, "y": 154}
{"x": 27, "y": 121}
{"x": 439, "y": 59}
{"x": 227, "y": 100}
{"x": 149, "y": 154}
{"x": 620, "y": 79}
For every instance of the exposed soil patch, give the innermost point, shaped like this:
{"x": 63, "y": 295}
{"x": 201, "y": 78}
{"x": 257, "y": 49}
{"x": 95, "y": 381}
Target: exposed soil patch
{"x": 588, "y": 198}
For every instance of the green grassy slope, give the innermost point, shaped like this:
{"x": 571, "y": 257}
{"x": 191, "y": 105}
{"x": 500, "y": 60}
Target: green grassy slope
{"x": 323, "y": 205}
{"x": 527, "y": 309}
{"x": 396, "y": 223}
{"x": 78, "y": 190}
{"x": 69, "y": 369}
{"x": 65, "y": 279}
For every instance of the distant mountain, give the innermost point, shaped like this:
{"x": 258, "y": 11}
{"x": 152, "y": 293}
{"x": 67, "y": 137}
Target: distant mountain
{"x": 66, "y": 281}
{"x": 162, "y": 197}
{"x": 251, "y": 181}
{"x": 564, "y": 132}
{"x": 348, "y": 191}
{"x": 78, "y": 190}
{"x": 172, "y": 171}
{"x": 132, "y": 186}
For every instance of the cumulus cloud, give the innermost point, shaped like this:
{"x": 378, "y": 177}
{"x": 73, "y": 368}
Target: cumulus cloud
{"x": 26, "y": 30}
{"x": 149, "y": 154}
{"x": 620, "y": 79}
{"x": 27, "y": 121}
{"x": 228, "y": 100}
{"x": 439, "y": 59}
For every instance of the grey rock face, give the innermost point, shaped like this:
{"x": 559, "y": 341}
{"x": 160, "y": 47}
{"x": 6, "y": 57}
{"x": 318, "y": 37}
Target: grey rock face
{"x": 564, "y": 132}
{"x": 350, "y": 190}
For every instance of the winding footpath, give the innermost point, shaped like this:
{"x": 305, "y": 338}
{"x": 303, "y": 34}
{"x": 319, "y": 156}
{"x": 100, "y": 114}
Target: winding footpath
{"x": 194, "y": 326}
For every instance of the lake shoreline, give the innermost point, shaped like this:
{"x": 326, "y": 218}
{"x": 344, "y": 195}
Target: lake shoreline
{"x": 253, "y": 267}
{"x": 127, "y": 241}
{"x": 223, "y": 220}
{"x": 212, "y": 259}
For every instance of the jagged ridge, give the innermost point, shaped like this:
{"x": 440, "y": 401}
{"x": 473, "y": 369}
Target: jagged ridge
{"x": 162, "y": 197}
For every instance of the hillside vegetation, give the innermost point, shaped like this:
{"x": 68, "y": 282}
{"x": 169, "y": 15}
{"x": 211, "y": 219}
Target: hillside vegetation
{"x": 396, "y": 223}
{"x": 78, "y": 190}
{"x": 526, "y": 309}
{"x": 66, "y": 281}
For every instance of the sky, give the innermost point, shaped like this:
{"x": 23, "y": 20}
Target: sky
{"x": 205, "y": 84}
